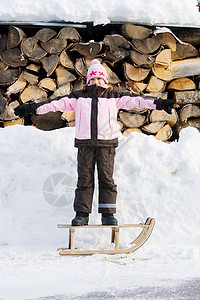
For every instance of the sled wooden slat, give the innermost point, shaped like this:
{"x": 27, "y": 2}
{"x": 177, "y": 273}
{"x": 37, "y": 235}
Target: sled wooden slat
{"x": 147, "y": 228}
{"x": 103, "y": 226}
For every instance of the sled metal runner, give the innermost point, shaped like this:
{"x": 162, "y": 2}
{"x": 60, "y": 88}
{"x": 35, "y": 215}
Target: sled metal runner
{"x": 147, "y": 228}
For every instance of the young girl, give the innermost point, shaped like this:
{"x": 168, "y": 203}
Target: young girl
{"x": 96, "y": 108}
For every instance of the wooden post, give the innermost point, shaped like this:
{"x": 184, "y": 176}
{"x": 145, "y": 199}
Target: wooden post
{"x": 72, "y": 238}
{"x": 115, "y": 237}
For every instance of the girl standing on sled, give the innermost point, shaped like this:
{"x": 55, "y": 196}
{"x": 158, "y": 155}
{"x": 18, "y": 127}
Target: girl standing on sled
{"x": 96, "y": 109}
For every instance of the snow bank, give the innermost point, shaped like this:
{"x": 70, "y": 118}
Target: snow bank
{"x": 154, "y": 179}
{"x": 37, "y": 181}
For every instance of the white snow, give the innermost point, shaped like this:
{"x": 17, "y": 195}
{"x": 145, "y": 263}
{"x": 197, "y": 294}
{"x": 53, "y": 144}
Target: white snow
{"x": 174, "y": 12}
{"x": 154, "y": 179}
{"x": 38, "y": 178}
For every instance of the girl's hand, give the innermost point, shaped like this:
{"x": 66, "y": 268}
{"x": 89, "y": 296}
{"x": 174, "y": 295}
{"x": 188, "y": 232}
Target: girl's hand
{"x": 165, "y": 104}
{"x": 25, "y": 110}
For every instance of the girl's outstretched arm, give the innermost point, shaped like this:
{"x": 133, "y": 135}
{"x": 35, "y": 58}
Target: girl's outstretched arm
{"x": 128, "y": 102}
{"x": 64, "y": 104}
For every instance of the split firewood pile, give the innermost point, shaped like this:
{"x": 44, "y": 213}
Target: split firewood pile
{"x": 51, "y": 64}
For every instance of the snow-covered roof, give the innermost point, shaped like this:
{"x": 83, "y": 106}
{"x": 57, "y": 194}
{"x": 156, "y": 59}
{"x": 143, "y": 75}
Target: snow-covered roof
{"x": 150, "y": 12}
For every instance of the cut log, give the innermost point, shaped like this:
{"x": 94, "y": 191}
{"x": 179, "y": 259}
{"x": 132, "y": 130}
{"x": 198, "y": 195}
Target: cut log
{"x": 127, "y": 131}
{"x": 164, "y": 58}
{"x": 47, "y": 84}
{"x": 135, "y": 74}
{"x": 32, "y": 50}
{"x": 137, "y": 87}
{"x": 15, "y": 36}
{"x": 112, "y": 76}
{"x": 2, "y": 103}
{"x": 33, "y": 93}
{"x": 88, "y": 61}
{"x": 163, "y": 95}
{"x": 33, "y": 67}
{"x": 161, "y": 115}
{"x": 3, "y": 42}
{"x": 179, "y": 126}
{"x": 116, "y": 40}
{"x": 154, "y": 127}
{"x": 14, "y": 58}
{"x": 2, "y": 91}
{"x": 181, "y": 84}
{"x": 27, "y": 45}
{"x": 64, "y": 76}
{"x": 191, "y": 35}
{"x": 162, "y": 73}
{"x": 11, "y": 123}
{"x": 62, "y": 91}
{"x": 49, "y": 121}
{"x": 194, "y": 122}
{"x": 65, "y": 60}
{"x": 68, "y": 116}
{"x": 69, "y": 33}
{"x": 78, "y": 85}
{"x": 164, "y": 133}
{"x": 8, "y": 113}
{"x": 31, "y": 78}
{"x": 71, "y": 124}
{"x": 37, "y": 54}
{"x": 147, "y": 46}
{"x": 189, "y": 111}
{"x": 131, "y": 120}
{"x": 3, "y": 66}
{"x": 17, "y": 87}
{"x": 50, "y": 63}
{"x": 81, "y": 67}
{"x": 9, "y": 76}
{"x": 45, "y": 34}
{"x": 167, "y": 39}
{"x": 131, "y": 31}
{"x": 155, "y": 85}
{"x": 184, "y": 51}
{"x": 90, "y": 49}
{"x": 187, "y": 97}
{"x": 54, "y": 46}
{"x": 185, "y": 68}
{"x": 141, "y": 60}
{"x": 138, "y": 110}
{"x": 116, "y": 53}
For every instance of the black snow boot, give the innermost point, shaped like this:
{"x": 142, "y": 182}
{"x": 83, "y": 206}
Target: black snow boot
{"x": 81, "y": 219}
{"x": 108, "y": 219}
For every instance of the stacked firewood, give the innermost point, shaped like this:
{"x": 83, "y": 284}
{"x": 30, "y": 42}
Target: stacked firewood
{"x": 53, "y": 63}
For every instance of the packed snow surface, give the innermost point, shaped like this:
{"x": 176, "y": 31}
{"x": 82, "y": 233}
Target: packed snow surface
{"x": 37, "y": 182}
{"x": 174, "y": 12}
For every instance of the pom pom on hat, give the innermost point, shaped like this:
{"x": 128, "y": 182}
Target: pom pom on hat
{"x": 97, "y": 70}
{"x": 95, "y": 61}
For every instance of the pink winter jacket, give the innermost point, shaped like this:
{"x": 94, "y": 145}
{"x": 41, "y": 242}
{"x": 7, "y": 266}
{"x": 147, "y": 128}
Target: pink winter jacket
{"x": 96, "y": 111}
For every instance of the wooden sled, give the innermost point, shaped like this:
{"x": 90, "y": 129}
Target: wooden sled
{"x": 147, "y": 228}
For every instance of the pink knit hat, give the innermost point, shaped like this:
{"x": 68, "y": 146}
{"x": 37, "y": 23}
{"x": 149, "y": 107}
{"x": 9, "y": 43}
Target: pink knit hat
{"x": 97, "y": 70}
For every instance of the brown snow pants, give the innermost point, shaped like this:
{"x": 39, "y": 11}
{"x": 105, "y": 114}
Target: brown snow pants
{"x": 88, "y": 157}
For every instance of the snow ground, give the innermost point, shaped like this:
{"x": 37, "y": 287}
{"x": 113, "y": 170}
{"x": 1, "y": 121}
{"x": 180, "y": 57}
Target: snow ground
{"x": 154, "y": 179}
